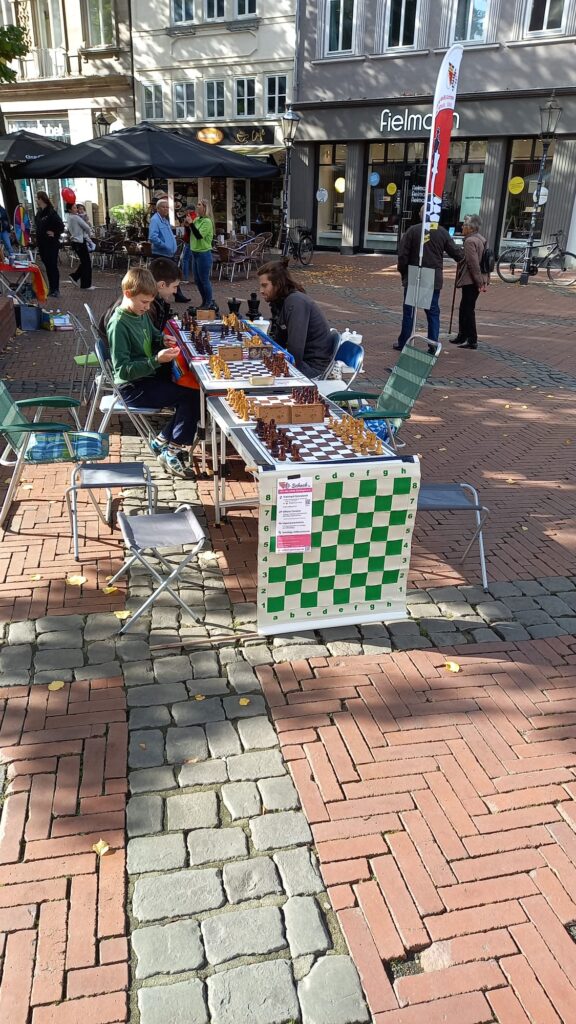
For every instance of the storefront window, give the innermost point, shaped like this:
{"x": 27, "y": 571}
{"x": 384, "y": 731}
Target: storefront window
{"x": 522, "y": 180}
{"x": 386, "y": 174}
{"x": 464, "y": 182}
{"x": 266, "y": 207}
{"x": 331, "y": 189}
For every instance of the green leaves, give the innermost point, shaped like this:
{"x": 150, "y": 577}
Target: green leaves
{"x": 12, "y": 44}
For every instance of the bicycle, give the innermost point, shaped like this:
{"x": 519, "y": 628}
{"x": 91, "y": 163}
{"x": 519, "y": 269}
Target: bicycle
{"x": 301, "y": 247}
{"x": 560, "y": 265}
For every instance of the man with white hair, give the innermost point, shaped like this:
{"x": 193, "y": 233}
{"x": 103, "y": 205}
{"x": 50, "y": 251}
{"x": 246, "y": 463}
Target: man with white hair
{"x": 471, "y": 281}
{"x": 163, "y": 239}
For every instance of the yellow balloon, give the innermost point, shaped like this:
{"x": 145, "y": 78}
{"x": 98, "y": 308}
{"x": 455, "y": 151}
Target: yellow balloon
{"x": 516, "y": 185}
{"x": 391, "y": 188}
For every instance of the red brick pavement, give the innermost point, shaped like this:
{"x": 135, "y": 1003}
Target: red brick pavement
{"x": 443, "y": 810}
{"x": 63, "y": 927}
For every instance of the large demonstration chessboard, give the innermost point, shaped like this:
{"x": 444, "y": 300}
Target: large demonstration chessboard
{"x": 357, "y": 567}
{"x": 318, "y": 443}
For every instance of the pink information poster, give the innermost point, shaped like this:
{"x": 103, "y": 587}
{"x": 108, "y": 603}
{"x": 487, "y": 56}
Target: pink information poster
{"x": 294, "y": 514}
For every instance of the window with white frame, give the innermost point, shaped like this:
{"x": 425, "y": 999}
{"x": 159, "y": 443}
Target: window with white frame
{"x": 214, "y": 99}
{"x": 545, "y": 16}
{"x": 153, "y": 102}
{"x": 245, "y": 7}
{"x": 339, "y": 25}
{"x": 182, "y": 10}
{"x": 100, "y": 22}
{"x": 184, "y": 105}
{"x": 245, "y": 89}
{"x": 213, "y": 9}
{"x": 470, "y": 21}
{"x": 402, "y": 25}
{"x": 6, "y": 13}
{"x": 276, "y": 94}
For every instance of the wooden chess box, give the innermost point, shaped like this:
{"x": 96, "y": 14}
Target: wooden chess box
{"x": 289, "y": 412}
{"x": 230, "y": 353}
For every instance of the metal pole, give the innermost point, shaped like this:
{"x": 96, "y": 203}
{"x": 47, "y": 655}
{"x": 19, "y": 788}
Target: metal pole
{"x": 525, "y": 275}
{"x": 285, "y": 201}
{"x": 106, "y": 210}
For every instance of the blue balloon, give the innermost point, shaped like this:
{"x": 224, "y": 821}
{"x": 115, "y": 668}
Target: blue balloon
{"x": 374, "y": 179}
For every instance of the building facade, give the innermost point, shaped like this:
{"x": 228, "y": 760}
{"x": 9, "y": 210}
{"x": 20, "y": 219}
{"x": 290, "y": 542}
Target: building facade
{"x": 366, "y": 73}
{"x": 78, "y": 66}
{"x": 223, "y": 71}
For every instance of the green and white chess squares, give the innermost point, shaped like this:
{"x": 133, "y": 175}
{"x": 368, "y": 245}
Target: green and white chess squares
{"x": 357, "y": 565}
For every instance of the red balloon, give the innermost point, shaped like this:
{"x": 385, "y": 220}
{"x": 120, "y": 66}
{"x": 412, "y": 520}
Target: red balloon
{"x": 68, "y": 195}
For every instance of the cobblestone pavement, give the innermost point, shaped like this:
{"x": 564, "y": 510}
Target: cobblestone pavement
{"x": 386, "y": 803}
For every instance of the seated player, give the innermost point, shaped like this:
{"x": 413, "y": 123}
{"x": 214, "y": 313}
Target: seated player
{"x": 141, "y": 362}
{"x": 297, "y": 322}
{"x": 167, "y": 278}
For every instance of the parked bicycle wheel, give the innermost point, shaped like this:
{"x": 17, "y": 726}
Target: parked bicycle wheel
{"x": 305, "y": 250}
{"x": 509, "y": 265}
{"x": 561, "y": 268}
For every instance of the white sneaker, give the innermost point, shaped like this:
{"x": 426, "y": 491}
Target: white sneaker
{"x": 92, "y": 288}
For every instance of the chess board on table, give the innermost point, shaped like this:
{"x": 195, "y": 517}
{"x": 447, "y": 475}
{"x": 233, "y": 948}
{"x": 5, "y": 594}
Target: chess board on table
{"x": 317, "y": 443}
{"x": 215, "y": 341}
{"x": 240, "y": 373}
{"x": 357, "y": 564}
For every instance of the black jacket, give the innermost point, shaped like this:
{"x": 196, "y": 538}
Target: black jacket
{"x": 48, "y": 220}
{"x": 159, "y": 313}
{"x": 440, "y": 242}
{"x": 300, "y": 326}
{"x": 4, "y": 220}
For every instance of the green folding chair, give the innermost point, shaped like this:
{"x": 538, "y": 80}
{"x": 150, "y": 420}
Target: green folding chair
{"x": 395, "y": 402}
{"x": 42, "y": 442}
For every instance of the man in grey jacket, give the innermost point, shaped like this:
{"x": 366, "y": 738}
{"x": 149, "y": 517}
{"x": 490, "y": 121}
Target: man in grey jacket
{"x": 471, "y": 281}
{"x": 440, "y": 242}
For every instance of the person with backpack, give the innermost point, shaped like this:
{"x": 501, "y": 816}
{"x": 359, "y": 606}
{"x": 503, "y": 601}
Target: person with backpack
{"x": 472, "y": 277}
{"x": 5, "y": 229}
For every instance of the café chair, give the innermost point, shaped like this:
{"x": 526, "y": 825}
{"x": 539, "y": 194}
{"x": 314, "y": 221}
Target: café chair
{"x": 348, "y": 364}
{"x": 90, "y": 478}
{"x": 144, "y": 535}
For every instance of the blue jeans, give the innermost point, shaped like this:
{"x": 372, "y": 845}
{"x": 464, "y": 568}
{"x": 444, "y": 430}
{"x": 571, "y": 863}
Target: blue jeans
{"x": 202, "y": 268}
{"x": 432, "y": 316}
{"x": 186, "y": 262}
{"x": 6, "y": 242}
{"x": 159, "y": 391}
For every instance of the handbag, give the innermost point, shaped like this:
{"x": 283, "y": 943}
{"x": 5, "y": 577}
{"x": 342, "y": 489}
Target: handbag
{"x": 90, "y": 245}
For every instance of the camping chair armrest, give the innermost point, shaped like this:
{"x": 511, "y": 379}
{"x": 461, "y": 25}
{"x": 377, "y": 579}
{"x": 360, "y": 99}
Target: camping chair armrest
{"x": 351, "y": 396}
{"x": 32, "y": 428}
{"x": 381, "y": 414}
{"x": 53, "y": 401}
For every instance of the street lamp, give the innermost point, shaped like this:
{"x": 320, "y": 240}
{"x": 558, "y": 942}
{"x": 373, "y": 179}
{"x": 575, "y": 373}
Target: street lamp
{"x": 550, "y": 115}
{"x": 102, "y": 127}
{"x": 290, "y": 121}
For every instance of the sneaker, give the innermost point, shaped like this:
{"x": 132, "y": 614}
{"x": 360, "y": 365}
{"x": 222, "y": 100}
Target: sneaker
{"x": 92, "y": 288}
{"x": 157, "y": 445}
{"x": 74, "y": 282}
{"x": 172, "y": 463}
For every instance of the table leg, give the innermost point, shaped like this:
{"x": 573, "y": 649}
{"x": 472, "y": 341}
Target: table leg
{"x": 203, "y": 425}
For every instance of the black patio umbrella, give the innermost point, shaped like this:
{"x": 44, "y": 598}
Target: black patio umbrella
{"x": 16, "y": 147}
{"x": 142, "y": 152}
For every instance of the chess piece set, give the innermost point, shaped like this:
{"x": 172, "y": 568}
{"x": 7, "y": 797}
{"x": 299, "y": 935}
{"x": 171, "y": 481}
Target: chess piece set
{"x": 276, "y": 363}
{"x": 219, "y": 367}
{"x": 304, "y": 405}
{"x": 355, "y": 434}
{"x": 279, "y": 442}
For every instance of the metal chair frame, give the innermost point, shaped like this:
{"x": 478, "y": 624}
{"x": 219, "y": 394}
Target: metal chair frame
{"x": 452, "y": 498}
{"x": 117, "y": 474}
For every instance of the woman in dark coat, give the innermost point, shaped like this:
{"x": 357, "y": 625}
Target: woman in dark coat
{"x": 49, "y": 227}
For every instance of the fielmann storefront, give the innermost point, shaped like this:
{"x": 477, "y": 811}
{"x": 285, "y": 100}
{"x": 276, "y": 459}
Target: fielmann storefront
{"x": 359, "y": 170}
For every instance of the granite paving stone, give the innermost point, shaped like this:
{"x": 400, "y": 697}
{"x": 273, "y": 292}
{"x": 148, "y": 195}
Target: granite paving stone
{"x": 252, "y": 932}
{"x": 242, "y": 799}
{"x": 274, "y": 831}
{"x": 146, "y": 748}
{"x": 147, "y": 696}
{"x": 54, "y": 659}
{"x": 180, "y": 1003}
{"x": 294, "y": 652}
{"x": 177, "y": 894}
{"x": 256, "y": 764}
{"x": 404, "y": 627}
{"x": 250, "y": 879}
{"x": 299, "y": 875}
{"x": 545, "y": 629}
{"x": 502, "y": 590}
{"x": 304, "y": 637}
{"x": 512, "y": 631}
{"x": 494, "y": 611}
{"x": 100, "y": 626}
{"x": 531, "y": 587}
{"x": 235, "y": 709}
{"x": 261, "y": 993}
{"x": 64, "y": 639}
{"x": 258, "y": 654}
{"x": 149, "y": 780}
{"x": 168, "y": 948}
{"x": 132, "y": 650}
{"x": 144, "y": 815}
{"x": 557, "y": 584}
{"x": 410, "y": 642}
{"x": 257, "y": 733}
{"x": 194, "y": 712}
{"x": 208, "y": 845}
{"x": 484, "y": 636}
{"x": 156, "y": 853}
{"x": 212, "y": 686}
{"x": 241, "y": 677}
{"x": 568, "y": 625}
{"x": 278, "y": 794}
{"x": 222, "y": 739}
{"x": 40, "y": 678}
{"x": 331, "y": 993}
{"x": 138, "y": 673}
{"x": 192, "y": 810}
{"x": 54, "y": 623}
{"x": 147, "y": 718}
{"x": 305, "y": 928}
{"x": 187, "y": 743}
{"x": 204, "y": 664}
{"x": 554, "y": 606}
{"x": 173, "y": 669}
{"x": 204, "y": 774}
{"x": 108, "y": 670}
{"x": 437, "y": 594}
{"x": 99, "y": 652}
{"x": 533, "y": 617}
{"x": 521, "y": 603}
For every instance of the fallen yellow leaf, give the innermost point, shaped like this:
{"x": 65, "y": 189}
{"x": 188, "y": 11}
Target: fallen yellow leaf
{"x": 109, "y": 590}
{"x": 199, "y": 696}
{"x": 142, "y": 746}
{"x": 510, "y": 480}
{"x": 567, "y": 442}
{"x": 244, "y": 701}
{"x": 192, "y": 760}
{"x": 525, "y": 528}
{"x": 507, "y": 406}
{"x": 101, "y": 847}
{"x": 26, "y": 487}
{"x": 441, "y": 449}
{"x": 122, "y": 615}
{"x": 75, "y": 581}
{"x": 417, "y": 436}
{"x": 452, "y": 666}
{"x": 56, "y": 684}
{"x": 36, "y": 576}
